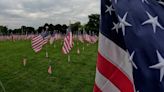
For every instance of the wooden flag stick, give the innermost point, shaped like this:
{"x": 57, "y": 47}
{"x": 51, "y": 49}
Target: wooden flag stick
{"x": 24, "y": 61}
{"x": 46, "y": 43}
{"x": 2, "y": 86}
{"x": 46, "y": 52}
{"x": 61, "y": 43}
{"x": 54, "y": 45}
{"x": 78, "y": 51}
{"x": 50, "y": 67}
{"x": 83, "y": 46}
{"x": 69, "y": 58}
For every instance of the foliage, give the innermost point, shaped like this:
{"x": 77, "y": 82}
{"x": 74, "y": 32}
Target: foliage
{"x": 4, "y": 30}
{"x": 75, "y": 27}
{"x": 91, "y": 26}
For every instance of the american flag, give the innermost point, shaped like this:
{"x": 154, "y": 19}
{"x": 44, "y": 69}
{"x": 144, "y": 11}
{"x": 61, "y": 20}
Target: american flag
{"x": 68, "y": 42}
{"x": 131, "y": 47}
{"x": 39, "y": 41}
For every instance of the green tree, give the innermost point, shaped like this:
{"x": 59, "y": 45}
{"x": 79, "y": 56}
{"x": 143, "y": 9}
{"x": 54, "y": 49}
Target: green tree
{"x": 29, "y": 30}
{"x": 93, "y": 23}
{"x": 64, "y": 28}
{"x": 58, "y": 27}
{"x": 4, "y": 30}
{"x": 75, "y": 27}
{"x": 39, "y": 30}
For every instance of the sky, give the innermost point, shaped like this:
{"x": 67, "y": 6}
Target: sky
{"x": 35, "y": 13}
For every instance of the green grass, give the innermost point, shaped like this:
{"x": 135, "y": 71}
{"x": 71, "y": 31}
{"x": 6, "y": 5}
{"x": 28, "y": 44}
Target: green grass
{"x": 75, "y": 76}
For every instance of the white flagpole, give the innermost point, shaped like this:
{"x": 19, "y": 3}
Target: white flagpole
{"x": 46, "y": 45}
{"x": 69, "y": 57}
{"x": 84, "y": 40}
{"x": 24, "y": 61}
{"x": 46, "y": 52}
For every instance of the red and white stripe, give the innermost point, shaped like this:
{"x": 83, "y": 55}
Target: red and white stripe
{"x": 114, "y": 71}
{"x": 45, "y": 41}
{"x": 37, "y": 43}
{"x": 68, "y": 43}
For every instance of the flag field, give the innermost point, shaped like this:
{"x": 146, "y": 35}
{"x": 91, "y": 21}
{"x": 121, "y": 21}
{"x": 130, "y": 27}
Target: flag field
{"x": 75, "y": 76}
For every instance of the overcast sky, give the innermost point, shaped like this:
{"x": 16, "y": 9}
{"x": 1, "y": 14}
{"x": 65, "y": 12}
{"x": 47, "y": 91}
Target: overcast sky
{"x": 14, "y": 13}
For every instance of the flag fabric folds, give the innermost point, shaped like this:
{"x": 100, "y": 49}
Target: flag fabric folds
{"x": 68, "y": 42}
{"x": 39, "y": 41}
{"x": 131, "y": 47}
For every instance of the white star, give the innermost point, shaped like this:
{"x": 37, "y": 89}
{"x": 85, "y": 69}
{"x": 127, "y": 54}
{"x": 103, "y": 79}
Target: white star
{"x": 116, "y": 27}
{"x": 145, "y": 1}
{"x": 162, "y": 3}
{"x": 153, "y": 21}
{"x": 123, "y": 23}
{"x": 131, "y": 59}
{"x": 109, "y": 9}
{"x": 115, "y": 1}
{"x": 160, "y": 65}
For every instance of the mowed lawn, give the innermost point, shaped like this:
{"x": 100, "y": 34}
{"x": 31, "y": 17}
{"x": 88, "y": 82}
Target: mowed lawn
{"x": 76, "y": 76}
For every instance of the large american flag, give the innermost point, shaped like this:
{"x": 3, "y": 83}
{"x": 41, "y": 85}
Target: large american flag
{"x": 39, "y": 41}
{"x": 131, "y": 46}
{"x": 68, "y": 41}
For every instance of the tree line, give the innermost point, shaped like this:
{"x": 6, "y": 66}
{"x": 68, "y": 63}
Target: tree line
{"x": 91, "y": 27}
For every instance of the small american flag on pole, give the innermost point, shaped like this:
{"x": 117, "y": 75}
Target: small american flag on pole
{"x": 68, "y": 42}
{"x": 39, "y": 41}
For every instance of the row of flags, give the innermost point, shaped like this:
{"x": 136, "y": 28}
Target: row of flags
{"x": 38, "y": 41}
{"x": 90, "y": 39}
{"x": 16, "y": 37}
{"x": 55, "y": 36}
{"x": 131, "y": 46}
